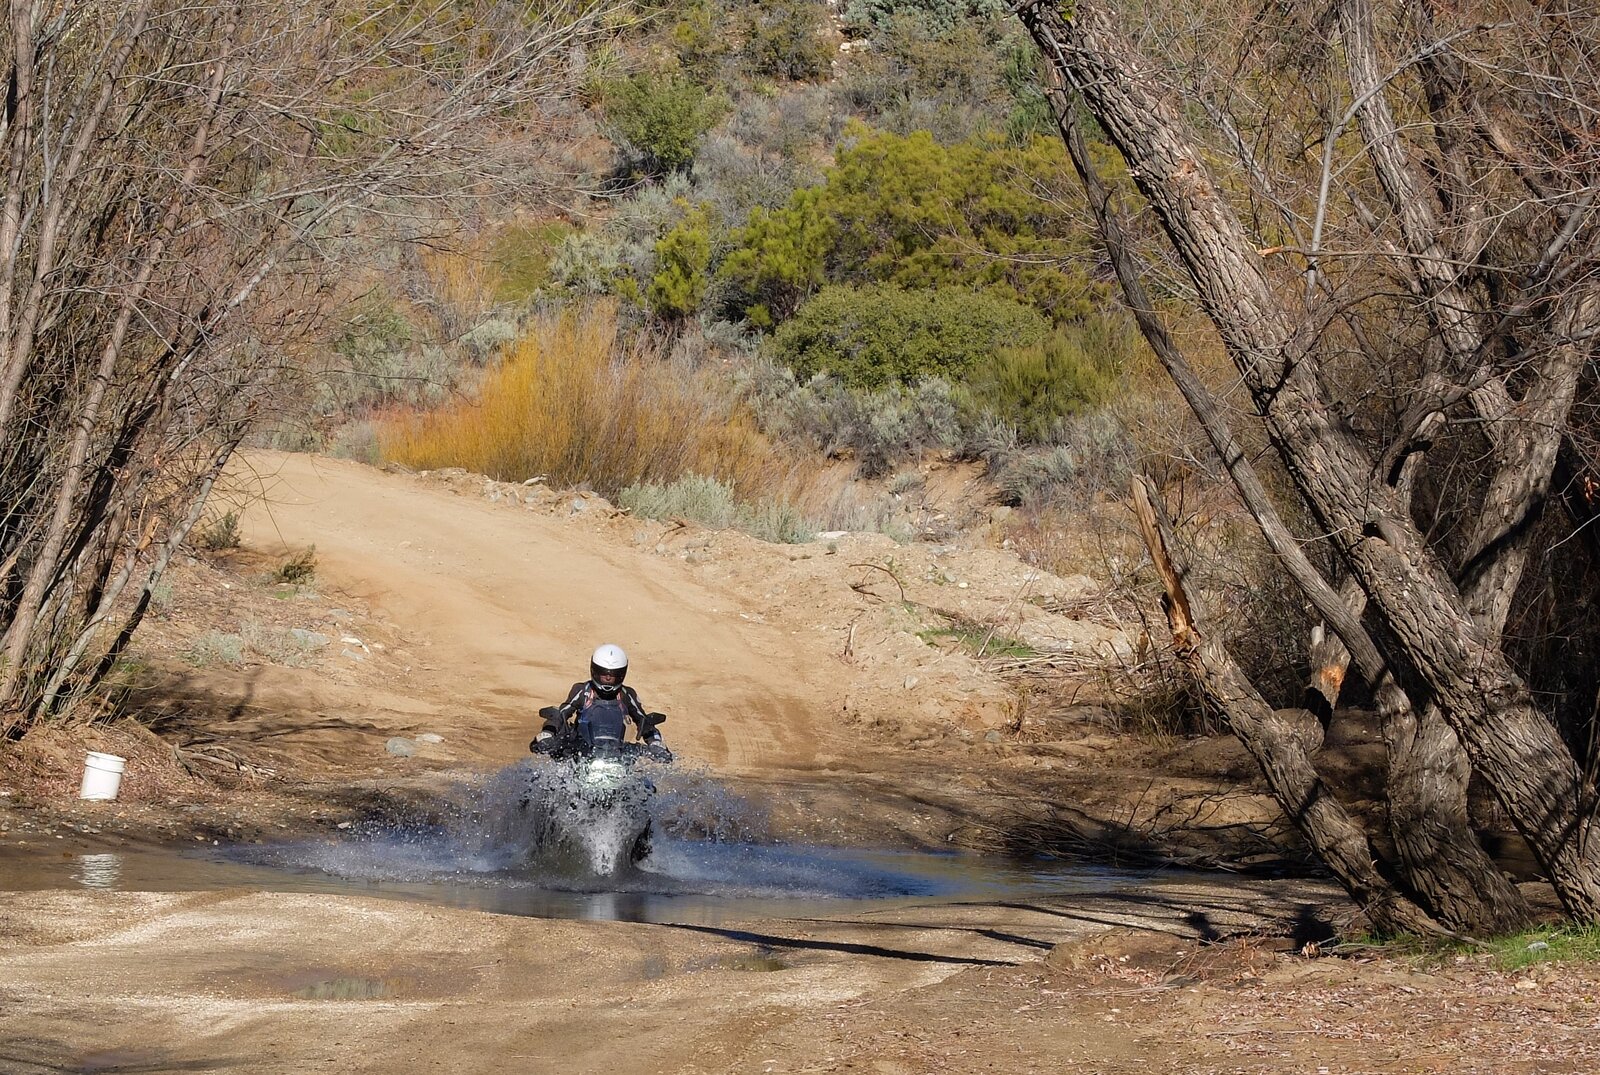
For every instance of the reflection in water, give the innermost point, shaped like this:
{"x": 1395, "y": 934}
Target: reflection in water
{"x": 348, "y": 989}
{"x": 102, "y": 870}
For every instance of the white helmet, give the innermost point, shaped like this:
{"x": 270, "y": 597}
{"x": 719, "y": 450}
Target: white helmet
{"x": 611, "y": 662}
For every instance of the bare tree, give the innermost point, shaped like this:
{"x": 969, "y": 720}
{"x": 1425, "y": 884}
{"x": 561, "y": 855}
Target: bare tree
{"x": 183, "y": 182}
{"x": 1386, "y": 211}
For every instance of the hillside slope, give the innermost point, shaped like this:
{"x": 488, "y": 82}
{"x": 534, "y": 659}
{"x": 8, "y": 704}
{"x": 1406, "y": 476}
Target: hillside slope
{"x": 762, "y": 655}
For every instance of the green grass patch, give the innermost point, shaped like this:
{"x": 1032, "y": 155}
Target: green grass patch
{"x": 978, "y": 640}
{"x": 1516, "y": 951}
{"x": 521, "y": 256}
{"x": 1569, "y": 944}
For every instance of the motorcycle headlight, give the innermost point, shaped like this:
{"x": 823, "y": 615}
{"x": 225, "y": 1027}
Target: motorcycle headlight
{"x": 604, "y": 773}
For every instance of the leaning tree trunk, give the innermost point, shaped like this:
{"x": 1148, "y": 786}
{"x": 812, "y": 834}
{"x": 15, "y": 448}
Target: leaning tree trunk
{"x": 1510, "y": 741}
{"x": 1337, "y": 838}
{"x": 1445, "y": 867}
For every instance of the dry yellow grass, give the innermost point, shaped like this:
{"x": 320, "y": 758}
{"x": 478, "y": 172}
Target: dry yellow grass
{"x": 459, "y": 278}
{"x": 568, "y": 402}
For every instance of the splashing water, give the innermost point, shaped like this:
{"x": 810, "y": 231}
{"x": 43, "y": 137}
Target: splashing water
{"x": 543, "y": 822}
{"x": 515, "y": 841}
{"x": 550, "y": 818}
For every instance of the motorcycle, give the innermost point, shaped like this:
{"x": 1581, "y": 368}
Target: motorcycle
{"x": 599, "y": 799}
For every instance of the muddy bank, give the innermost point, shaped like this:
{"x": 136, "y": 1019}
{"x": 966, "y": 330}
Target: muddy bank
{"x": 261, "y": 982}
{"x": 280, "y": 982}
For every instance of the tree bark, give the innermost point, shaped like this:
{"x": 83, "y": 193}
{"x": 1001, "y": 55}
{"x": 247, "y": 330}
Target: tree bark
{"x": 1338, "y": 840}
{"x": 1436, "y": 871}
{"x": 1509, "y": 740}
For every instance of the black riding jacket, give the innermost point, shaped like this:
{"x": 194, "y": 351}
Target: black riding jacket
{"x": 590, "y": 715}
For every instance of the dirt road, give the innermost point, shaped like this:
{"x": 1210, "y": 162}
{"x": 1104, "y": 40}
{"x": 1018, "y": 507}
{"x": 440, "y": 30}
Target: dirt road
{"x": 454, "y": 607}
{"x": 511, "y": 603}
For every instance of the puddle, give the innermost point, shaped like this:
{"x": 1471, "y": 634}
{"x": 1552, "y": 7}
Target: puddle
{"x": 103, "y": 870}
{"x": 109, "y": 1060}
{"x": 760, "y": 962}
{"x": 684, "y": 882}
{"x": 500, "y": 848}
{"x": 349, "y": 989}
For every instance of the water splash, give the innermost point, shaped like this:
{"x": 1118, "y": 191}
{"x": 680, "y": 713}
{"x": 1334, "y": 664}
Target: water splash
{"x": 541, "y": 818}
{"x": 534, "y": 822}
{"x": 511, "y": 841}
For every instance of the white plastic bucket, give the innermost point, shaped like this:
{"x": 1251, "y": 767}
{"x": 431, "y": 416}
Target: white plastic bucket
{"x": 102, "y": 776}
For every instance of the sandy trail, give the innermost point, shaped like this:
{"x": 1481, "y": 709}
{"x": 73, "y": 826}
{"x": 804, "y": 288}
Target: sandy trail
{"x": 284, "y": 983}
{"x": 510, "y": 604}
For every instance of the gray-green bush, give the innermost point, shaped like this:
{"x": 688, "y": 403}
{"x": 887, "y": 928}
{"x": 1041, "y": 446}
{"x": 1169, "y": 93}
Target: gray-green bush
{"x": 879, "y": 334}
{"x": 879, "y": 429}
{"x": 216, "y": 647}
{"x": 712, "y": 503}
{"x": 936, "y": 16}
{"x": 1083, "y": 455}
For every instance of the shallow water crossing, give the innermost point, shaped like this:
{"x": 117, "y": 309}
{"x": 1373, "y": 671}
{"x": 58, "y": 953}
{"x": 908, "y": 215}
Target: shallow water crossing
{"x": 514, "y": 843}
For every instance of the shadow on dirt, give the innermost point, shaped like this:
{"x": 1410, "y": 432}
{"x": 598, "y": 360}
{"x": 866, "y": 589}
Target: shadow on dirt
{"x": 190, "y": 707}
{"x": 1073, "y": 835}
{"x": 774, "y": 942}
{"x": 217, "y": 726}
{"x": 1210, "y": 918}
{"x": 34, "y": 1056}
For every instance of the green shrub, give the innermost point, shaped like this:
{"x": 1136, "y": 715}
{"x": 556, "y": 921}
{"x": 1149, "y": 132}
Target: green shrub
{"x": 784, "y": 39}
{"x": 220, "y": 533}
{"x": 298, "y": 569}
{"x": 661, "y": 118}
{"x": 1078, "y": 367}
{"x": 780, "y": 257}
{"x": 909, "y": 211}
{"x": 683, "y": 262}
{"x": 881, "y": 334}
{"x": 699, "y": 39}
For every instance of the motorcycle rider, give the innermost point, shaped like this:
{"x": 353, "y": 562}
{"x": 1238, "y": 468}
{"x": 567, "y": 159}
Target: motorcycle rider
{"x": 600, "y": 709}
